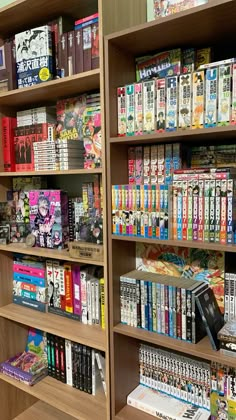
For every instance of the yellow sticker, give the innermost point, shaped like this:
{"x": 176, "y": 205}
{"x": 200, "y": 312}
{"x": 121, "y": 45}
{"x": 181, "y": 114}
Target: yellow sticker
{"x": 44, "y": 74}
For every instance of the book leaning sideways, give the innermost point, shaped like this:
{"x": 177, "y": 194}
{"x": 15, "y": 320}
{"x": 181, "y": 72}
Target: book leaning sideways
{"x": 34, "y": 62}
{"x": 163, "y": 406}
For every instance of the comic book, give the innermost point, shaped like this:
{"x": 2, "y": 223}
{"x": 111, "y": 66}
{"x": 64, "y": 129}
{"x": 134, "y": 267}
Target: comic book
{"x": 34, "y": 56}
{"x": 70, "y": 118}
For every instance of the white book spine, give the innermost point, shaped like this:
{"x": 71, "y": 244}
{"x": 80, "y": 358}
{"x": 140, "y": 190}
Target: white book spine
{"x": 68, "y": 349}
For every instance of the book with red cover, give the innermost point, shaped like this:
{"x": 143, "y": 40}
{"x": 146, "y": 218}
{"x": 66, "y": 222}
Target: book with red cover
{"x": 8, "y": 126}
{"x": 95, "y": 45}
{"x": 23, "y": 149}
{"x": 79, "y": 58}
{"x": 86, "y": 19}
{"x": 87, "y": 47}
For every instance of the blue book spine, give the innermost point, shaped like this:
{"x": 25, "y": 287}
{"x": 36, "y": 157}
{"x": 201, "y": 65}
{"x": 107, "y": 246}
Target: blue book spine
{"x": 158, "y": 308}
{"x": 25, "y": 278}
{"x": 150, "y": 320}
{"x": 146, "y": 306}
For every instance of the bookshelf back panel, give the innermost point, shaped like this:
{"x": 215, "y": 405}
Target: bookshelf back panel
{"x": 13, "y": 401}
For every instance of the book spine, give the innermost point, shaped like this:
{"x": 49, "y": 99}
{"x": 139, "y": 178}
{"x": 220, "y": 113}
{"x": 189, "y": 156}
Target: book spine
{"x": 68, "y": 288}
{"x": 63, "y": 54}
{"x": 188, "y": 316}
{"x": 95, "y": 46}
{"x": 226, "y": 296}
{"x": 89, "y": 371}
{"x": 32, "y": 304}
{"x": 93, "y": 359}
{"x": 68, "y": 351}
{"x": 62, "y": 356}
{"x": 223, "y": 211}
{"x": 49, "y": 354}
{"x": 8, "y": 125}
{"x": 87, "y": 48}
{"x": 76, "y": 290}
{"x": 53, "y": 358}
{"x": 71, "y": 57}
{"x": 57, "y": 358}
{"x": 84, "y": 369}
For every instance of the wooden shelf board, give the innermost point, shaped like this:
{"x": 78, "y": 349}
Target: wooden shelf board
{"x": 198, "y": 135}
{"x": 25, "y": 14}
{"x": 46, "y": 173}
{"x": 49, "y": 92}
{"x": 202, "y": 349}
{"x": 40, "y": 410}
{"x": 175, "y": 30}
{"x": 70, "y": 329}
{"x": 130, "y": 413}
{"x": 58, "y": 254}
{"x": 65, "y": 398}
{"x": 183, "y": 244}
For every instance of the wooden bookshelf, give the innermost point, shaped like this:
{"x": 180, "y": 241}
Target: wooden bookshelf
{"x": 185, "y": 244}
{"x": 50, "y": 92}
{"x": 46, "y": 173}
{"x": 64, "y": 398}
{"x": 41, "y": 410}
{"x": 57, "y": 254}
{"x": 70, "y": 329}
{"x": 210, "y": 22}
{"x": 21, "y": 400}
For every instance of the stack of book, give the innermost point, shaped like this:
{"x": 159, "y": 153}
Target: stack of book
{"x": 30, "y": 287}
{"x": 29, "y": 366}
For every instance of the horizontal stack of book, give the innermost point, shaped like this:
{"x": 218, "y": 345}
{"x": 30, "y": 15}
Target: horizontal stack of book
{"x": 157, "y": 9}
{"x": 30, "y": 286}
{"x": 179, "y": 376}
{"x": 75, "y": 364}
{"x": 31, "y": 365}
{"x": 162, "y": 304}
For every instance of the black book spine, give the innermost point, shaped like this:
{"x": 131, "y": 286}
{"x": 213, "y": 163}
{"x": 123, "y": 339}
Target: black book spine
{"x": 49, "y": 355}
{"x": 189, "y": 316}
{"x": 89, "y": 370}
{"x": 57, "y": 359}
{"x": 53, "y": 356}
{"x": 79, "y": 366}
{"x": 62, "y": 360}
{"x": 84, "y": 367}
{"x": 74, "y": 361}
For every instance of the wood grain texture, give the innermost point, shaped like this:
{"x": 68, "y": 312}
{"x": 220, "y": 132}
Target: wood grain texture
{"x": 75, "y": 403}
{"x": 72, "y": 330}
{"x": 216, "y": 134}
{"x": 130, "y": 413}
{"x": 25, "y": 14}
{"x": 49, "y": 92}
{"x": 122, "y": 14}
{"x": 9, "y": 396}
{"x": 46, "y": 173}
{"x": 202, "y": 349}
{"x": 41, "y": 410}
{"x": 58, "y": 254}
{"x": 185, "y": 244}
{"x": 209, "y": 21}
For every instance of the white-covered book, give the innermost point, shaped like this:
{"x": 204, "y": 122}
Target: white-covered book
{"x": 163, "y": 406}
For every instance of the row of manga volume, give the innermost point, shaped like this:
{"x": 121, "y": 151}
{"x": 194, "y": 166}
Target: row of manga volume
{"x": 167, "y": 378}
{"x": 59, "y": 48}
{"x": 204, "y": 98}
{"x": 49, "y": 215}
{"x": 181, "y": 377}
{"x": 77, "y": 365}
{"x": 199, "y": 206}
{"x": 141, "y": 210}
{"x": 162, "y": 304}
{"x": 64, "y": 137}
{"x": 154, "y": 163}
{"x": 65, "y": 289}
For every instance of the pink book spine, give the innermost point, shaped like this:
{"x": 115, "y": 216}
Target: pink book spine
{"x": 76, "y": 289}
{"x": 23, "y": 269}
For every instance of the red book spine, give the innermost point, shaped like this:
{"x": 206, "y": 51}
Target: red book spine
{"x": 87, "y": 47}
{"x": 178, "y": 313}
{"x": 8, "y": 126}
{"x": 86, "y": 19}
{"x": 95, "y": 45}
{"x": 79, "y": 59}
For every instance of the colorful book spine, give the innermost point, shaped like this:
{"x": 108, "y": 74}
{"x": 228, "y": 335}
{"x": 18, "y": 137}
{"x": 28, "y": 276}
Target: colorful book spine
{"x": 161, "y": 104}
{"x": 198, "y": 78}
{"x": 185, "y": 98}
{"x": 149, "y": 107}
{"x": 121, "y": 106}
{"x": 138, "y": 105}
{"x": 225, "y": 95}
{"x": 130, "y": 109}
{"x": 171, "y": 103}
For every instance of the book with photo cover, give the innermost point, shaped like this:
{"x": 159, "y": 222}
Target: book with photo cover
{"x": 211, "y": 315}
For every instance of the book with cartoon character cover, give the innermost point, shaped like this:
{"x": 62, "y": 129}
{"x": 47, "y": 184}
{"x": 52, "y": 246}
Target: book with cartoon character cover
{"x": 30, "y": 365}
{"x": 211, "y": 315}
